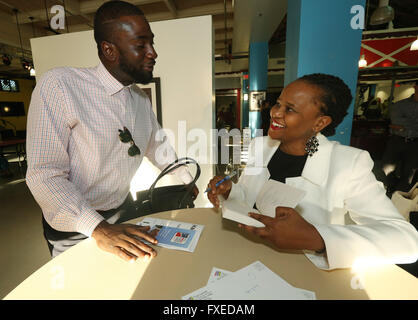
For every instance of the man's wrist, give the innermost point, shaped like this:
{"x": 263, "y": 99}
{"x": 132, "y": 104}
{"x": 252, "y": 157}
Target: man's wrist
{"x": 99, "y": 228}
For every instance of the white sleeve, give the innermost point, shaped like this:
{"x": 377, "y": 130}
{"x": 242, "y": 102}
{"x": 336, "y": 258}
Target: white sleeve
{"x": 380, "y": 235}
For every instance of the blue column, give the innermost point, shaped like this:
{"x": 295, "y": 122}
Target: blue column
{"x": 258, "y": 65}
{"x": 320, "y": 39}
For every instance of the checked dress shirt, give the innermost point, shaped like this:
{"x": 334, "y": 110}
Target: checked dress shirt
{"x": 76, "y": 162}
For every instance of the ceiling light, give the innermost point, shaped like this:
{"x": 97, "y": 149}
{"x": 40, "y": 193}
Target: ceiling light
{"x": 25, "y": 64}
{"x": 383, "y": 14}
{"x": 414, "y": 45}
{"x": 362, "y": 62}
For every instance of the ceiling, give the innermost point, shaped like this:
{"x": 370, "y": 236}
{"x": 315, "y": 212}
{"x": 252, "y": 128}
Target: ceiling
{"x": 236, "y": 23}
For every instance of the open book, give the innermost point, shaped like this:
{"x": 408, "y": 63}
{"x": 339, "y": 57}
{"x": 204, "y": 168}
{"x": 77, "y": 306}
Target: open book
{"x": 238, "y": 211}
{"x": 273, "y": 194}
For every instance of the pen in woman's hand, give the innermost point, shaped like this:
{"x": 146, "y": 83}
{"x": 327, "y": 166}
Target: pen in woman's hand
{"x": 223, "y": 180}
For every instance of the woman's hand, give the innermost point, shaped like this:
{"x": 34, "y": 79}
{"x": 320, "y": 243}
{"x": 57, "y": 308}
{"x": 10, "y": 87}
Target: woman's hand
{"x": 288, "y": 230}
{"x": 223, "y": 189}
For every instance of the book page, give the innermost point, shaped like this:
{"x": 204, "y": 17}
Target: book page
{"x": 238, "y": 211}
{"x": 274, "y": 194}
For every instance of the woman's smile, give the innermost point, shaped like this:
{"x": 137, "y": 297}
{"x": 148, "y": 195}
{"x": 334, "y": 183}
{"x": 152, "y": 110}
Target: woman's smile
{"x": 276, "y": 126}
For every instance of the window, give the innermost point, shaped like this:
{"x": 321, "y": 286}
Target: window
{"x": 9, "y": 85}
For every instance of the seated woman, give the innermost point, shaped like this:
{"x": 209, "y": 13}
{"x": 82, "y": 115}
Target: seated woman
{"x": 345, "y": 215}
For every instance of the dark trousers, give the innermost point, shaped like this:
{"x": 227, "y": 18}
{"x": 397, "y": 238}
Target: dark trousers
{"x": 59, "y": 241}
{"x": 400, "y": 162}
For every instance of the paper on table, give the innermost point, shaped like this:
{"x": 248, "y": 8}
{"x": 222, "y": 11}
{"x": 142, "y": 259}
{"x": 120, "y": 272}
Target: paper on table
{"x": 217, "y": 274}
{"x": 274, "y": 194}
{"x": 174, "y": 234}
{"x": 253, "y": 282}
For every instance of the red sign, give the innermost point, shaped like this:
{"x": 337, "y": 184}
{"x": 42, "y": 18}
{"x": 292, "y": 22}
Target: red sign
{"x": 384, "y": 52}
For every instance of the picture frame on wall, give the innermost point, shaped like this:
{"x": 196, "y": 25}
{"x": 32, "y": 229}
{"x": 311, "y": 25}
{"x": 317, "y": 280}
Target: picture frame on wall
{"x": 256, "y": 100}
{"x": 153, "y": 91}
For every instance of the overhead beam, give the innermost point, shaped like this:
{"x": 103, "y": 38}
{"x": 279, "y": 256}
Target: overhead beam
{"x": 171, "y": 6}
{"x": 220, "y": 36}
{"x": 185, "y": 13}
{"x": 209, "y": 9}
{"x": 221, "y": 24}
{"x": 76, "y": 8}
{"x": 10, "y": 35}
{"x": 91, "y": 6}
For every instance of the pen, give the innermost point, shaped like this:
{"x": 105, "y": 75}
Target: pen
{"x": 223, "y": 180}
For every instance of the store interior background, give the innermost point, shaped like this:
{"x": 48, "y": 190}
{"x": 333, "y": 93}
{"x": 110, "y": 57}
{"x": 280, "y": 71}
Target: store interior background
{"x": 234, "y": 25}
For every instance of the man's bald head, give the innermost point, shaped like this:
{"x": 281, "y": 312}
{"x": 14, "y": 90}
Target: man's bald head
{"x": 106, "y": 20}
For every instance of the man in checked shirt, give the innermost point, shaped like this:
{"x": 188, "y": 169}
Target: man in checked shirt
{"x": 79, "y": 168}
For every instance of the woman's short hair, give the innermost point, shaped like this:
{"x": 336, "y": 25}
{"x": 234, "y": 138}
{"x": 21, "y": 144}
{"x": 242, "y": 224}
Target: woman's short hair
{"x": 335, "y": 99}
{"x": 107, "y": 13}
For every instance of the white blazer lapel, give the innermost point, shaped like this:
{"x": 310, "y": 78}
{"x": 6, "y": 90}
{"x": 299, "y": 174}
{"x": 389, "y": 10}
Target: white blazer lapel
{"x": 317, "y": 167}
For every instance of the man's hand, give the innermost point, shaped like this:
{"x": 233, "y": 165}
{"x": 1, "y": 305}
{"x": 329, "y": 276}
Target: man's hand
{"x": 223, "y": 189}
{"x": 120, "y": 239}
{"x": 288, "y": 230}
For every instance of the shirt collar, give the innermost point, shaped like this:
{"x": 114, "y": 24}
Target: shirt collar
{"x": 110, "y": 83}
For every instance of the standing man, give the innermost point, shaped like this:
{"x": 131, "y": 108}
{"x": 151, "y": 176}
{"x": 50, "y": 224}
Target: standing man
{"x": 88, "y": 131}
{"x": 265, "y": 116}
{"x": 402, "y": 146}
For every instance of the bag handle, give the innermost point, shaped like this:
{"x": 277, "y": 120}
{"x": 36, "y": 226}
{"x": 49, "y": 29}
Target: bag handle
{"x": 171, "y": 167}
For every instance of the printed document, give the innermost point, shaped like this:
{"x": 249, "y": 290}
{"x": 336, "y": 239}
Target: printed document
{"x": 174, "y": 234}
{"x": 254, "y": 282}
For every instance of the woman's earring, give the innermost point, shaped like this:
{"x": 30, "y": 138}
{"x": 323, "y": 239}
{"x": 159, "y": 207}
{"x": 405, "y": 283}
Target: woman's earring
{"x": 312, "y": 145}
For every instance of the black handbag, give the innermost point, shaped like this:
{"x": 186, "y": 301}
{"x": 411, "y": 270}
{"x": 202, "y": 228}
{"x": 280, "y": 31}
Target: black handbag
{"x": 168, "y": 198}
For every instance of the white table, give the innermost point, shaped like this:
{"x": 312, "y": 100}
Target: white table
{"x": 86, "y": 272}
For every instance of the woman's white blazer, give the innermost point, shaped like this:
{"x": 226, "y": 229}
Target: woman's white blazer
{"x": 344, "y": 202}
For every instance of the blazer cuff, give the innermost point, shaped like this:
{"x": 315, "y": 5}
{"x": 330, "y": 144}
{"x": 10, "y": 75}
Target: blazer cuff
{"x": 320, "y": 260}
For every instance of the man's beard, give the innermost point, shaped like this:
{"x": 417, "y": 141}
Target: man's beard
{"x": 139, "y": 75}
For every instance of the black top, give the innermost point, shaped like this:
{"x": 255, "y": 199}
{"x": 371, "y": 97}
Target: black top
{"x": 283, "y": 165}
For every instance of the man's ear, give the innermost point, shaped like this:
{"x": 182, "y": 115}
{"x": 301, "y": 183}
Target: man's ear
{"x": 322, "y": 122}
{"x": 109, "y": 51}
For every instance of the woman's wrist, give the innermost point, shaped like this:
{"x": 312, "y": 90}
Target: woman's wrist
{"x": 318, "y": 243}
